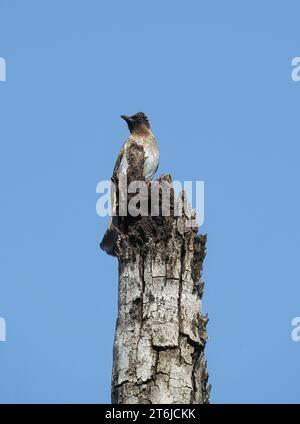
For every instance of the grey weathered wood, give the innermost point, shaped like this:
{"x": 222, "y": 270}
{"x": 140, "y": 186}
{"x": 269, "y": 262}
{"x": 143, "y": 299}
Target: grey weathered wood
{"x": 160, "y": 331}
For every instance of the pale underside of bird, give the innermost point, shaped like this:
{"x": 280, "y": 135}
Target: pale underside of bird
{"x": 151, "y": 154}
{"x": 140, "y": 133}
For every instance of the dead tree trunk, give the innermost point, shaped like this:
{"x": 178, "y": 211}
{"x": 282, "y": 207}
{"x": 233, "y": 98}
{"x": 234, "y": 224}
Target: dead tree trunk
{"x": 160, "y": 330}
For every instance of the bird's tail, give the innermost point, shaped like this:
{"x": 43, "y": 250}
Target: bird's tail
{"x": 109, "y": 239}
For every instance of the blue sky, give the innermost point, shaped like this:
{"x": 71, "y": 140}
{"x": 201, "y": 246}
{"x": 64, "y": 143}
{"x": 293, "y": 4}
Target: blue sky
{"x": 215, "y": 79}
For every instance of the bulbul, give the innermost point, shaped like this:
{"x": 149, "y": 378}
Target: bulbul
{"x": 140, "y": 133}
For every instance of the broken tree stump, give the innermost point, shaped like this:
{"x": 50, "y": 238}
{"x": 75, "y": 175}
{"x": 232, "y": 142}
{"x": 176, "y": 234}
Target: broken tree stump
{"x": 160, "y": 330}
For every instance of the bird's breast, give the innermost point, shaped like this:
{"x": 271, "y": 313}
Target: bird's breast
{"x": 151, "y": 152}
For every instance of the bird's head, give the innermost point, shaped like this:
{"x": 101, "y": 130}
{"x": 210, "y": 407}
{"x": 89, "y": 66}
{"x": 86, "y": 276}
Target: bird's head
{"x": 137, "y": 123}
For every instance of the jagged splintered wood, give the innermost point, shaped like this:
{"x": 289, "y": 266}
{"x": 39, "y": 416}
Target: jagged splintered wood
{"x": 160, "y": 330}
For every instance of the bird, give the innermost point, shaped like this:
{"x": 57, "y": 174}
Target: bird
{"x": 140, "y": 133}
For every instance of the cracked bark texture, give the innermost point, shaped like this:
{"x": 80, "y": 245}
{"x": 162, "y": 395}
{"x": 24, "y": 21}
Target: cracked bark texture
{"x": 160, "y": 330}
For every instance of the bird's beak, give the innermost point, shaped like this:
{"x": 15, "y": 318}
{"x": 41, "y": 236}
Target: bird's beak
{"x": 127, "y": 118}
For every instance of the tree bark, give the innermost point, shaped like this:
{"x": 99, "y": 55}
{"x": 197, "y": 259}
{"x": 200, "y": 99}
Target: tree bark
{"x": 160, "y": 331}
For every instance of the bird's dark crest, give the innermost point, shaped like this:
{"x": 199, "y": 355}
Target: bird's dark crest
{"x": 140, "y": 117}
{"x": 136, "y": 122}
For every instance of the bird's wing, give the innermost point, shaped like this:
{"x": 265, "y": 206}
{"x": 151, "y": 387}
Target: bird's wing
{"x": 121, "y": 167}
{"x": 121, "y": 162}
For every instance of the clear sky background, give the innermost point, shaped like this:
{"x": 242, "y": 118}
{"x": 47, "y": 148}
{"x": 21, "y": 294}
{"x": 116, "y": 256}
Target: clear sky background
{"x": 215, "y": 79}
